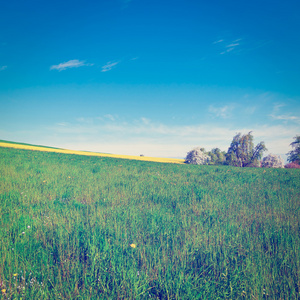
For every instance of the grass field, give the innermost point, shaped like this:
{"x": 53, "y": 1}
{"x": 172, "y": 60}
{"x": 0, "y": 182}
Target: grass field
{"x": 66, "y": 151}
{"x": 96, "y": 227}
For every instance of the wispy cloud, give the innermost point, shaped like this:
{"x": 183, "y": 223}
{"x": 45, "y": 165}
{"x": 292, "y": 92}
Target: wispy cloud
{"x": 146, "y": 121}
{"x": 232, "y": 45}
{"x": 111, "y": 117}
{"x": 278, "y": 115}
{"x": 64, "y": 124}
{"x": 221, "y": 111}
{"x": 109, "y": 66}
{"x": 134, "y": 136}
{"x": 226, "y": 46}
{"x": 285, "y": 118}
{"x": 277, "y": 107}
{"x": 218, "y": 41}
{"x": 75, "y": 63}
{"x": 2, "y": 68}
{"x": 85, "y": 120}
{"x": 229, "y": 46}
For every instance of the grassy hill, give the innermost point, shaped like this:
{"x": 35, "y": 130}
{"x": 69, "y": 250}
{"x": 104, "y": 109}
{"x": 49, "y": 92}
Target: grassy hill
{"x": 8, "y": 144}
{"x": 92, "y": 227}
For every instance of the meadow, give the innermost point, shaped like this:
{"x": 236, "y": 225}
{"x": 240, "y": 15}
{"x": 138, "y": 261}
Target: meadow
{"x": 92, "y": 227}
{"x": 66, "y": 151}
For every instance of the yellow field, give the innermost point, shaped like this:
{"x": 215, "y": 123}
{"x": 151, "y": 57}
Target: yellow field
{"x": 45, "y": 149}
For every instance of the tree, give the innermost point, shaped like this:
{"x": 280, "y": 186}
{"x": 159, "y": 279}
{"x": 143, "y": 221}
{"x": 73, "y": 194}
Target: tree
{"x": 217, "y": 156}
{"x": 242, "y": 152}
{"x": 197, "y": 156}
{"x": 294, "y": 155}
{"x": 272, "y": 161}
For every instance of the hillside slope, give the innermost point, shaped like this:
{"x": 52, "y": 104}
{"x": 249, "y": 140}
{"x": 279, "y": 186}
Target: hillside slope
{"x": 90, "y": 227}
{"x": 65, "y": 151}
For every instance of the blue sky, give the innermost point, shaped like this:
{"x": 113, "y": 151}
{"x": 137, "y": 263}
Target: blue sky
{"x": 151, "y": 77}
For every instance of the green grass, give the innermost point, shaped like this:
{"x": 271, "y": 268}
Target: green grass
{"x": 201, "y": 232}
{"x": 16, "y": 143}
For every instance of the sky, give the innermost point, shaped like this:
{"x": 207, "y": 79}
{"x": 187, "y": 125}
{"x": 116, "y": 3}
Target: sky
{"x": 156, "y": 78}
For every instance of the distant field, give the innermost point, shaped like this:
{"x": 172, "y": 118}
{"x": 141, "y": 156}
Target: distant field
{"x": 96, "y": 227}
{"x": 57, "y": 150}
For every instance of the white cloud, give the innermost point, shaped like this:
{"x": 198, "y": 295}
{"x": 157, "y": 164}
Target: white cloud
{"x": 227, "y": 51}
{"x": 2, "y": 68}
{"x": 275, "y": 115}
{"x": 109, "y": 66}
{"x": 110, "y": 117}
{"x": 277, "y": 138}
{"x": 223, "y": 111}
{"x": 232, "y": 45}
{"x": 75, "y": 63}
{"x": 85, "y": 120}
{"x": 144, "y": 136}
{"x": 277, "y": 107}
{"x": 219, "y": 41}
{"x": 158, "y": 139}
{"x": 62, "y": 124}
{"x": 285, "y": 118}
{"x": 145, "y": 121}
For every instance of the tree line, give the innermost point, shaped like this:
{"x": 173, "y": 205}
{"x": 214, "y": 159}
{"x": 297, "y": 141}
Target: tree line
{"x": 243, "y": 153}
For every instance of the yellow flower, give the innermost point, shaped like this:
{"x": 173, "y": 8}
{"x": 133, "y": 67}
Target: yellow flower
{"x": 16, "y": 274}
{"x": 133, "y": 245}
{"x": 3, "y": 291}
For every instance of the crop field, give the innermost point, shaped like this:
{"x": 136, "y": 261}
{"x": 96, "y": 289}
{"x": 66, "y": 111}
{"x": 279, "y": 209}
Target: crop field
{"x": 66, "y": 151}
{"x": 96, "y": 227}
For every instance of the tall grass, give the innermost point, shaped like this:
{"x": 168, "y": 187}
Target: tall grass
{"x": 69, "y": 223}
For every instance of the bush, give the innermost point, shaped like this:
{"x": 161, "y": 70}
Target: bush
{"x": 272, "y": 161}
{"x": 197, "y": 157}
{"x": 292, "y": 165}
